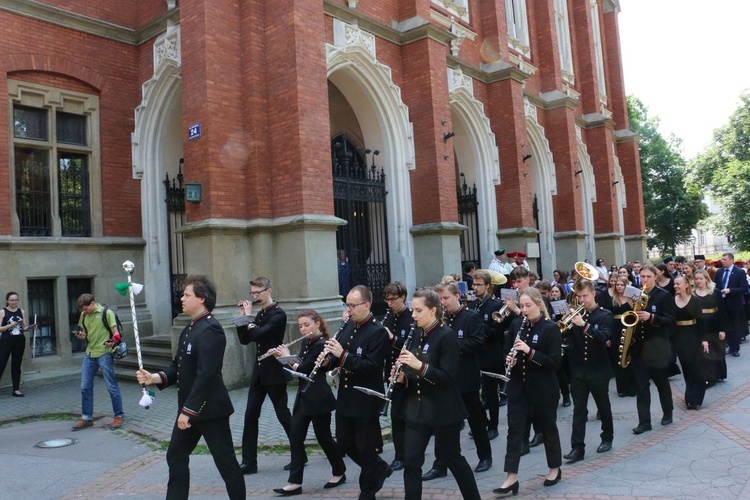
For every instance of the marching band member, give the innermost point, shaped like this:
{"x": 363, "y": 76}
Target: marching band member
{"x": 469, "y": 329}
{"x": 314, "y": 405}
{"x": 433, "y": 405}
{"x": 624, "y": 378}
{"x": 688, "y": 336}
{"x": 398, "y": 323}
{"x": 492, "y": 351}
{"x": 269, "y": 377}
{"x": 652, "y": 351}
{"x": 533, "y": 387}
{"x": 563, "y": 374}
{"x": 714, "y": 316}
{"x": 360, "y": 353}
{"x": 590, "y": 369}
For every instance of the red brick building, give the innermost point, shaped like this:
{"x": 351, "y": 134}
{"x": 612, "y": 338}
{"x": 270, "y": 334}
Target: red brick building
{"x": 406, "y": 136}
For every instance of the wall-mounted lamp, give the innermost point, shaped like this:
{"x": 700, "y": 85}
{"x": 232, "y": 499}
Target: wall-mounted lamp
{"x": 447, "y": 136}
{"x": 527, "y": 157}
{"x": 578, "y": 172}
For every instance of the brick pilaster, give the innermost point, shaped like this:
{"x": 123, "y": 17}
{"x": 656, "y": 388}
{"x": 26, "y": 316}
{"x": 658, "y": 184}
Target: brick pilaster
{"x": 561, "y": 134}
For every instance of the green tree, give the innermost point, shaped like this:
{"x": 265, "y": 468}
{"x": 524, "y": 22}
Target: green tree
{"x": 723, "y": 168}
{"x": 673, "y": 205}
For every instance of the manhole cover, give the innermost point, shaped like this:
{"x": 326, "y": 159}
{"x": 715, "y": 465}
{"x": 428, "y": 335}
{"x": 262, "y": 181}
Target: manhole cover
{"x": 56, "y": 443}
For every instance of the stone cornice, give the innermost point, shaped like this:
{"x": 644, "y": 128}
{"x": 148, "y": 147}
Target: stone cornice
{"x": 280, "y": 224}
{"x": 13, "y": 243}
{"x": 67, "y": 19}
{"x": 594, "y": 120}
{"x": 517, "y": 231}
{"x": 489, "y": 73}
{"x": 552, "y": 100}
{"x": 631, "y": 237}
{"x": 567, "y": 235}
{"x": 438, "y": 228}
{"x": 607, "y": 236}
{"x": 626, "y": 135}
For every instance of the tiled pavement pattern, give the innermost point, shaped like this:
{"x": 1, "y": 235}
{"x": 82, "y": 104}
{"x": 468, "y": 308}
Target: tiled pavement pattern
{"x": 703, "y": 454}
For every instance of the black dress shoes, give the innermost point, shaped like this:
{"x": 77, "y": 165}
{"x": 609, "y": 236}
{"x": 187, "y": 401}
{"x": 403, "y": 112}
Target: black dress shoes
{"x": 525, "y": 449}
{"x": 575, "y": 455}
{"x": 492, "y": 434}
{"x": 387, "y": 472}
{"x": 552, "y": 482}
{"x": 566, "y": 401}
{"x": 248, "y": 469}
{"x": 330, "y": 484}
{"x": 536, "y": 440}
{"x": 604, "y": 447}
{"x": 513, "y": 488}
{"x": 484, "y": 465}
{"x": 666, "y": 420}
{"x": 397, "y": 465}
{"x": 288, "y": 493}
{"x": 643, "y": 428}
{"x": 434, "y": 474}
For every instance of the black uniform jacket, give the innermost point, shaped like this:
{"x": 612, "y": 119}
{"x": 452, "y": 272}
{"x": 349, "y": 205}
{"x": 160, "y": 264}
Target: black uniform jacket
{"x": 196, "y": 368}
{"x": 318, "y": 398}
{"x": 652, "y": 344}
{"x": 491, "y": 357}
{"x": 269, "y": 333}
{"x": 588, "y": 354}
{"x": 399, "y": 324}
{"x": 366, "y": 346}
{"x": 535, "y": 374}
{"x": 431, "y": 394}
{"x": 737, "y": 285}
{"x": 469, "y": 329}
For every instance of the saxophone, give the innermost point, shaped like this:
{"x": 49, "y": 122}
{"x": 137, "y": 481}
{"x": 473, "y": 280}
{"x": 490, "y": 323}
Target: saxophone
{"x": 630, "y": 321}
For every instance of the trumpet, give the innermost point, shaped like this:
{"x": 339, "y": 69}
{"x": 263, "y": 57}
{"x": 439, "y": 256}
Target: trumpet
{"x": 398, "y": 367}
{"x": 566, "y": 323}
{"x": 506, "y": 378}
{"x": 325, "y": 353}
{"x": 501, "y": 314}
{"x": 270, "y": 351}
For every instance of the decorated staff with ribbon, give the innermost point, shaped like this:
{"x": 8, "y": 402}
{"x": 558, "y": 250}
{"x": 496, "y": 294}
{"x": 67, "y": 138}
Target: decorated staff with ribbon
{"x": 132, "y": 290}
{"x": 314, "y": 405}
{"x": 202, "y": 397}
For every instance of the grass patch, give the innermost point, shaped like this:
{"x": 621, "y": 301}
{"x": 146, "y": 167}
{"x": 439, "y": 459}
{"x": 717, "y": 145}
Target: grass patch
{"x": 39, "y": 418}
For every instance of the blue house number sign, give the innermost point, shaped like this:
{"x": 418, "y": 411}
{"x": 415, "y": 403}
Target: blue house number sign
{"x": 194, "y": 131}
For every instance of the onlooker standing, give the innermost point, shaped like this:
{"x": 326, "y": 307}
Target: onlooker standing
{"x": 12, "y": 342}
{"x": 203, "y": 400}
{"x": 731, "y": 281}
{"x": 98, "y": 356}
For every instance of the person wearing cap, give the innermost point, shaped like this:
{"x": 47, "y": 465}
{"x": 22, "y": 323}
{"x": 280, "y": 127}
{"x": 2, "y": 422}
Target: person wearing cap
{"x": 521, "y": 260}
{"x": 671, "y": 266}
{"x": 499, "y": 265}
{"x": 700, "y": 261}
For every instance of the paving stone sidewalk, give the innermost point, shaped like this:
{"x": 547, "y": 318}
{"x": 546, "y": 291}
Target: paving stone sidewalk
{"x": 704, "y": 453}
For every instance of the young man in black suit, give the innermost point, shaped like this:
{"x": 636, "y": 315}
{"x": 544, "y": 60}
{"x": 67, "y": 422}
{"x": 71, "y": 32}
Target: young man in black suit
{"x": 360, "y": 353}
{"x": 203, "y": 399}
{"x": 731, "y": 281}
{"x": 590, "y": 369}
{"x": 652, "y": 351}
{"x": 269, "y": 378}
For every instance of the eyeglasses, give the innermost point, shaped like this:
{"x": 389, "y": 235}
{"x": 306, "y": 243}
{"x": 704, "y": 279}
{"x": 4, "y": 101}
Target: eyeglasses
{"x": 390, "y": 299}
{"x": 258, "y": 292}
{"x": 354, "y": 306}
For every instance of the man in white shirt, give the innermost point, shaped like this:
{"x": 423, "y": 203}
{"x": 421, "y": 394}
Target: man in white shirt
{"x": 499, "y": 265}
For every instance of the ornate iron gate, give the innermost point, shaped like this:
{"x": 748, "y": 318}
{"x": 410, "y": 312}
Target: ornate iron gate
{"x": 468, "y": 216}
{"x": 359, "y": 198}
{"x": 175, "y": 220}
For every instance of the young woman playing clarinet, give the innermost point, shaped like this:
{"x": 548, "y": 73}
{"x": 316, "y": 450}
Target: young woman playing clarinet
{"x": 535, "y": 357}
{"x": 314, "y": 405}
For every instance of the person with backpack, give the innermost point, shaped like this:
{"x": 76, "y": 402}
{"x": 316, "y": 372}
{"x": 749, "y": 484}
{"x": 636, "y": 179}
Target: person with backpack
{"x": 98, "y": 326}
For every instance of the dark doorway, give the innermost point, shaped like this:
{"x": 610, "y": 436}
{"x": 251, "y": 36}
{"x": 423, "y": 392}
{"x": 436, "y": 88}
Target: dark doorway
{"x": 175, "y": 220}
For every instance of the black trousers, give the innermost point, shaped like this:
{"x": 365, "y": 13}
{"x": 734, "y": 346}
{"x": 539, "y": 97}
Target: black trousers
{"x": 599, "y": 389}
{"x": 255, "y": 397}
{"x": 448, "y": 445}
{"x": 643, "y": 373}
{"x": 398, "y": 429}
{"x": 322, "y": 428}
{"x": 478, "y": 426}
{"x": 218, "y": 437}
{"x": 690, "y": 353}
{"x": 490, "y": 396}
{"x": 545, "y": 421}
{"x": 356, "y": 438}
{"x": 736, "y": 329}
{"x": 12, "y": 346}
{"x": 563, "y": 376}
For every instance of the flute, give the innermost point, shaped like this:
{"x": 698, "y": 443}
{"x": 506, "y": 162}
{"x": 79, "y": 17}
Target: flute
{"x": 270, "y": 351}
{"x": 324, "y": 354}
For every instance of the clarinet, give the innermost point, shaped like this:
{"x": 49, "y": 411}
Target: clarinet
{"x": 325, "y": 353}
{"x": 513, "y": 352}
{"x": 398, "y": 368}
